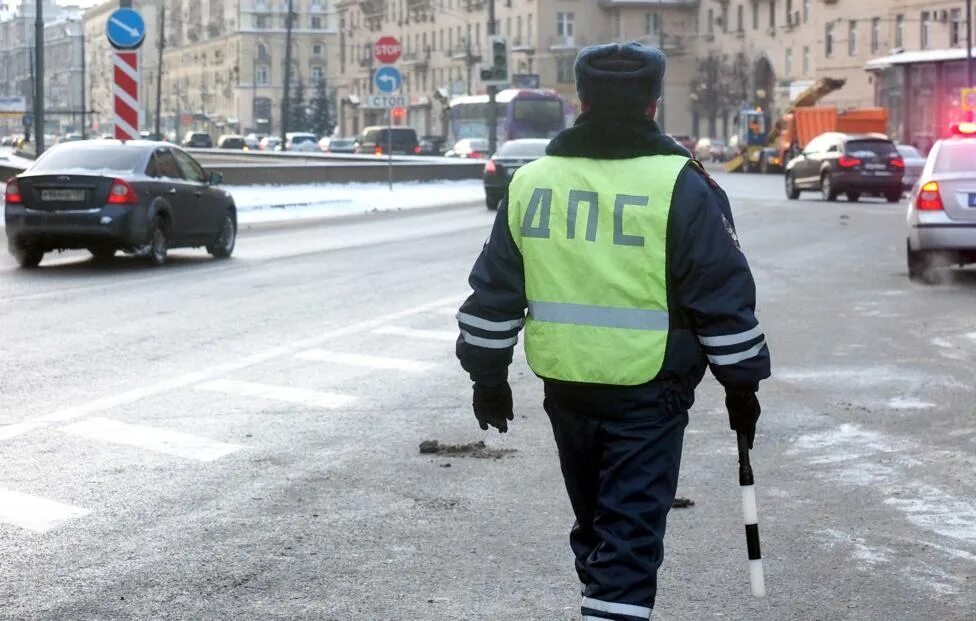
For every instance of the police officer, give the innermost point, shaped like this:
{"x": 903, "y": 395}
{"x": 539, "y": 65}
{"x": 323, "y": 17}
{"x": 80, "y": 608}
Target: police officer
{"x": 623, "y": 251}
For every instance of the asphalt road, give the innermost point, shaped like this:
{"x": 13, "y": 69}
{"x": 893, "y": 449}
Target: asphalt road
{"x": 239, "y": 439}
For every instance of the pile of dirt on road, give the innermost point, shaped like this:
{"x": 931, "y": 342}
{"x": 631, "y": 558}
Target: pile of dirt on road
{"x": 477, "y": 450}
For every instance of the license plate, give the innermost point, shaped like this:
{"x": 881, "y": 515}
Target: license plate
{"x": 62, "y": 196}
{"x": 875, "y": 166}
{"x": 972, "y": 199}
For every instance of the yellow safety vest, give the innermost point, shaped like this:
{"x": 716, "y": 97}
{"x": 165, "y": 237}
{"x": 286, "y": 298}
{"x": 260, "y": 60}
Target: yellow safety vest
{"x": 593, "y": 238}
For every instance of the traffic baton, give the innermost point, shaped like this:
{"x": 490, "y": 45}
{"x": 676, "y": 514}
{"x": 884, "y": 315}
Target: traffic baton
{"x": 751, "y": 514}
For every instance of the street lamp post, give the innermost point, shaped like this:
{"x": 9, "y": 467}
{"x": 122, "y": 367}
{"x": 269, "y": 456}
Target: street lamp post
{"x": 38, "y": 77}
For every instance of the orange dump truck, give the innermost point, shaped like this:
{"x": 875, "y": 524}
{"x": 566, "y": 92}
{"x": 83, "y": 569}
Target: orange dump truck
{"x": 806, "y": 123}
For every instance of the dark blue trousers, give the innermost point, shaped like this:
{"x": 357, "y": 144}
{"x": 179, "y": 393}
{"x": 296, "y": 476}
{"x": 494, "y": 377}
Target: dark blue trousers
{"x": 621, "y": 475}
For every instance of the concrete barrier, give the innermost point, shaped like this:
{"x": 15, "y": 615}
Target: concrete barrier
{"x": 295, "y": 174}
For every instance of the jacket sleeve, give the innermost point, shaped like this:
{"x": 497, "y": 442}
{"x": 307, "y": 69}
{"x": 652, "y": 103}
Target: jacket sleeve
{"x": 712, "y": 282}
{"x": 491, "y": 317}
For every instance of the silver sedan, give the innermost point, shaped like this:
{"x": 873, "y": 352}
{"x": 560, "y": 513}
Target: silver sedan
{"x": 942, "y": 209}
{"x": 914, "y": 163}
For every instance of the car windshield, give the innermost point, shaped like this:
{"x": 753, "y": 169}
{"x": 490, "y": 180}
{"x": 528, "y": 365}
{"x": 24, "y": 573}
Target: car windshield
{"x": 870, "y": 148}
{"x": 956, "y": 157}
{"x": 523, "y": 148}
{"x": 909, "y": 151}
{"x": 301, "y": 139}
{"x": 90, "y": 158}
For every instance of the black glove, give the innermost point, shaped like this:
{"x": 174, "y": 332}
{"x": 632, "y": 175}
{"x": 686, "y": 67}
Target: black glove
{"x": 744, "y": 410}
{"x": 493, "y": 406}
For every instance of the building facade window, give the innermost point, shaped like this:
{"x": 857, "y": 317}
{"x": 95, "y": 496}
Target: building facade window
{"x": 262, "y": 22}
{"x": 755, "y": 14}
{"x": 955, "y": 27}
{"x": 788, "y": 62}
{"x": 852, "y": 38}
{"x": 711, "y": 22}
{"x": 900, "y": 31}
{"x": 772, "y": 13}
{"x": 875, "y": 35}
{"x": 317, "y": 75}
{"x": 829, "y": 40}
{"x": 806, "y": 10}
{"x": 564, "y": 70}
{"x": 652, "y": 22}
{"x": 739, "y": 18}
{"x": 806, "y": 61}
{"x": 317, "y": 50}
{"x": 316, "y": 22}
{"x": 725, "y": 17}
{"x": 924, "y": 30}
{"x": 261, "y": 75}
{"x": 564, "y": 24}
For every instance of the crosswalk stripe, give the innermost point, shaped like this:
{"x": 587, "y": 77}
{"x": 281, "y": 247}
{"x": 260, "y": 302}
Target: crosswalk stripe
{"x": 362, "y": 360}
{"x": 447, "y": 310}
{"x": 35, "y": 513}
{"x": 175, "y": 443}
{"x": 278, "y": 393}
{"x": 433, "y": 335}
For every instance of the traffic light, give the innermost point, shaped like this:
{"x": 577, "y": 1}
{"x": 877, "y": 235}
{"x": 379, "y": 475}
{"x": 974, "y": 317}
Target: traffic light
{"x": 399, "y": 114}
{"x": 496, "y": 73}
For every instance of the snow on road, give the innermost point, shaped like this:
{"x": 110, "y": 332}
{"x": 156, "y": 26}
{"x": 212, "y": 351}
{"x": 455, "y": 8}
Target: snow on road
{"x": 265, "y": 203}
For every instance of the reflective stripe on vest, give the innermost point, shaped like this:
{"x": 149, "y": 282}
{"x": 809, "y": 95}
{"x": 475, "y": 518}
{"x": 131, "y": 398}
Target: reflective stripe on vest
{"x": 593, "y": 238}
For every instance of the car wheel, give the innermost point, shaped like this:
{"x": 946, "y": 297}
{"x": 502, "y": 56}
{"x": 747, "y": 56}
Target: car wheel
{"x": 102, "y": 253}
{"x": 223, "y": 246}
{"x": 27, "y": 256}
{"x": 853, "y": 196}
{"x": 492, "y": 201}
{"x": 893, "y": 196}
{"x": 792, "y": 192}
{"x": 827, "y": 188}
{"x": 156, "y": 249}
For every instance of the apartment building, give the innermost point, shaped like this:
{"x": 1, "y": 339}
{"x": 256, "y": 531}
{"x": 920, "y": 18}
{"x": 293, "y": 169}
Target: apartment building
{"x": 223, "y": 61}
{"x": 769, "y": 50}
{"x": 444, "y": 41}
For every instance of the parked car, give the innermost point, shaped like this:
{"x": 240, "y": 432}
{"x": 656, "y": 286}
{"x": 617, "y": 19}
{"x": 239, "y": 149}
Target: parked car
{"x": 253, "y": 141}
{"x": 500, "y": 169}
{"x": 140, "y": 197}
{"x": 72, "y": 137}
{"x": 852, "y": 164}
{"x": 379, "y": 141}
{"x": 469, "y": 148}
{"x": 337, "y": 145}
{"x": 301, "y": 141}
{"x": 231, "y": 141}
{"x": 914, "y": 163}
{"x": 197, "y": 140}
{"x": 942, "y": 207}
{"x": 433, "y": 145}
{"x": 269, "y": 143}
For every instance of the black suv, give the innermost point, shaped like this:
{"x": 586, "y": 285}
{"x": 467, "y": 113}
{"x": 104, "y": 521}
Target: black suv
{"x": 379, "y": 140}
{"x": 851, "y": 164}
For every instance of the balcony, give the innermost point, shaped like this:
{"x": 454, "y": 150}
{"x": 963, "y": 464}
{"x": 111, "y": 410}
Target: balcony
{"x": 523, "y": 45}
{"x": 566, "y": 42}
{"x": 373, "y": 11}
{"x": 418, "y": 60}
{"x": 473, "y": 5}
{"x": 460, "y": 52}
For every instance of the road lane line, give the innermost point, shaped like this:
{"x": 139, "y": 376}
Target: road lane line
{"x": 431, "y": 335}
{"x": 182, "y": 381}
{"x": 165, "y": 441}
{"x": 35, "y": 513}
{"x": 301, "y": 396}
{"x": 364, "y": 361}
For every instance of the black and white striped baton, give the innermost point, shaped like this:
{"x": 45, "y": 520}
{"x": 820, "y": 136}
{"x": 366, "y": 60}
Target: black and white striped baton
{"x": 751, "y": 515}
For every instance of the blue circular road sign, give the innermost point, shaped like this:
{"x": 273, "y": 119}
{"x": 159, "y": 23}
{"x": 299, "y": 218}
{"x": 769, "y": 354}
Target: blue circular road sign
{"x": 126, "y": 29}
{"x": 388, "y": 79}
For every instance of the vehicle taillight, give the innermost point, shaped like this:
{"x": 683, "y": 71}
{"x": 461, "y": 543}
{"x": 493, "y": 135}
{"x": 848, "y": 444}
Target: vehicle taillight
{"x": 121, "y": 193}
{"x": 416, "y": 150}
{"x": 378, "y": 151}
{"x": 897, "y": 162}
{"x": 490, "y": 168}
{"x": 847, "y": 161}
{"x": 474, "y": 155}
{"x": 12, "y": 195}
{"x": 929, "y": 198}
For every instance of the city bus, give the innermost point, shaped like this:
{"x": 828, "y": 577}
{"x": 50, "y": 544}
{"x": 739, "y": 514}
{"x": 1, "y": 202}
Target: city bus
{"x": 522, "y": 113}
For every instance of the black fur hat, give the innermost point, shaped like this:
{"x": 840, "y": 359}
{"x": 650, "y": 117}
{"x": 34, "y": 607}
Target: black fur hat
{"x": 619, "y": 77}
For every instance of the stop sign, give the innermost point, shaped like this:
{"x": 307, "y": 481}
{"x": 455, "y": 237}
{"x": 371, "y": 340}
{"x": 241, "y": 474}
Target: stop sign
{"x": 387, "y": 50}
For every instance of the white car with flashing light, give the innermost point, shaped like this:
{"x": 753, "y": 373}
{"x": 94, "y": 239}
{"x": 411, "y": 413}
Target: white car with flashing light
{"x": 942, "y": 207}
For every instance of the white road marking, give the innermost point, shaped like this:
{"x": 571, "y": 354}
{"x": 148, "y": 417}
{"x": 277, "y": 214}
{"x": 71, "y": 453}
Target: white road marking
{"x": 288, "y": 394}
{"x": 431, "y": 335}
{"x": 35, "y": 513}
{"x": 909, "y": 403}
{"x": 165, "y": 441}
{"x": 182, "y": 381}
{"x": 452, "y": 311}
{"x": 361, "y": 360}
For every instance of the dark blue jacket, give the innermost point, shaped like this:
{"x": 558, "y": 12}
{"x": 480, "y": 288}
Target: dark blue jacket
{"x": 711, "y": 290}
